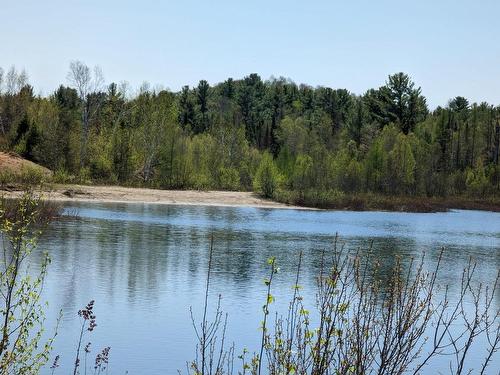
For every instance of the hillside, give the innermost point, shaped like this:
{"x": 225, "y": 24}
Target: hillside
{"x": 12, "y": 163}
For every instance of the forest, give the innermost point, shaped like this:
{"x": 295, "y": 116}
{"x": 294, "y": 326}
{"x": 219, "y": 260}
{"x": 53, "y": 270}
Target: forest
{"x": 292, "y": 143}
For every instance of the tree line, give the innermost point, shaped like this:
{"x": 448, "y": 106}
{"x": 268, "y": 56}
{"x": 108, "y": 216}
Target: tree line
{"x": 287, "y": 141}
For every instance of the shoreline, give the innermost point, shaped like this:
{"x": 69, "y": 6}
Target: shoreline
{"x": 360, "y": 202}
{"x": 118, "y": 194}
{"x": 395, "y": 203}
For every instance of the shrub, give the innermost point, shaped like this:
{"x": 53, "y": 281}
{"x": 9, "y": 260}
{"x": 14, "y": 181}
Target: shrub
{"x": 6, "y": 177}
{"x": 32, "y": 176}
{"x": 22, "y": 350}
{"x": 29, "y": 176}
{"x": 84, "y": 177}
{"x": 61, "y": 176}
{"x": 366, "y": 320}
{"x": 476, "y": 181}
{"x": 101, "y": 169}
{"x": 267, "y": 179}
{"x": 229, "y": 178}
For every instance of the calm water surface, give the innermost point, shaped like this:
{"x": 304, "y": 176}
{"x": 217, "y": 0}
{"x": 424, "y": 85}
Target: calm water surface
{"x": 145, "y": 265}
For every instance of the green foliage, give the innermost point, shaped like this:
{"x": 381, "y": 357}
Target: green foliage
{"x": 62, "y": 177}
{"x": 100, "y": 166}
{"x": 293, "y": 134}
{"x": 28, "y": 176}
{"x": 199, "y": 161}
{"x": 267, "y": 179}
{"x": 301, "y": 176}
{"x": 398, "y": 102}
{"x": 476, "y": 181}
{"x": 84, "y": 176}
{"x": 376, "y": 168}
{"x": 346, "y": 171}
{"x": 313, "y": 198}
{"x": 32, "y": 176}
{"x": 238, "y": 134}
{"x": 229, "y": 178}
{"x": 6, "y": 177}
{"x": 402, "y": 166}
{"x": 22, "y": 350}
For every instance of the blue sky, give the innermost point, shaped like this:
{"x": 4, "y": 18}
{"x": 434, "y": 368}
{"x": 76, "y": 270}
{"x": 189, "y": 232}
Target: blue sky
{"x": 449, "y": 47}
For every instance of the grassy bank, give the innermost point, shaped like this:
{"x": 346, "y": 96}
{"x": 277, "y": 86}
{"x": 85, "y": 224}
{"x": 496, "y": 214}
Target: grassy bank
{"x": 374, "y": 202}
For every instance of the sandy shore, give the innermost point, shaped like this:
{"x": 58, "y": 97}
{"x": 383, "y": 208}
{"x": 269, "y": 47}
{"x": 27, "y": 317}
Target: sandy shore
{"x": 81, "y": 193}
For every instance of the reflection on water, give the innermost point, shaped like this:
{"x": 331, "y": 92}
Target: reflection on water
{"x": 145, "y": 266}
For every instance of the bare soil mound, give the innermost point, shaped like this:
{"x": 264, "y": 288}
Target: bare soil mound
{"x": 13, "y": 163}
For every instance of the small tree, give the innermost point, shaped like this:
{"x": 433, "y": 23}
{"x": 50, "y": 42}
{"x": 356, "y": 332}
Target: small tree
{"x": 21, "y": 311}
{"x": 267, "y": 179}
{"x": 302, "y": 173}
{"x": 476, "y": 181}
{"x": 402, "y": 163}
{"x": 88, "y": 84}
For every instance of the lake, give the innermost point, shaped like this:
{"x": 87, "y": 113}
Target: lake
{"x": 145, "y": 265}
